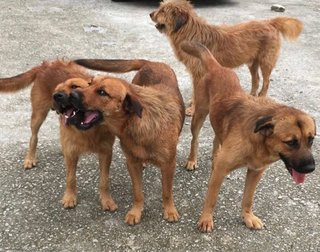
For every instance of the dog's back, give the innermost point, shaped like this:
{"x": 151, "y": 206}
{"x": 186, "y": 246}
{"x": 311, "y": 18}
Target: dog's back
{"x": 221, "y": 81}
{"x": 156, "y": 74}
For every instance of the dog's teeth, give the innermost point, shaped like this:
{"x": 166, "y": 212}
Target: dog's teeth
{"x": 82, "y": 123}
{"x": 66, "y": 116}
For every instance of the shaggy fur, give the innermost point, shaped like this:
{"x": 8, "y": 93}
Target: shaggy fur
{"x": 44, "y": 78}
{"x": 249, "y": 131}
{"x": 147, "y": 118}
{"x": 255, "y": 43}
{"x": 75, "y": 142}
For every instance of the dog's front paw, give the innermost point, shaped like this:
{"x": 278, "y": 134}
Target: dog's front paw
{"x": 108, "y": 204}
{"x": 29, "y": 163}
{"x": 190, "y": 111}
{"x": 252, "y": 221}
{"x": 205, "y": 223}
{"x": 191, "y": 165}
{"x": 69, "y": 200}
{"x": 171, "y": 214}
{"x": 133, "y": 217}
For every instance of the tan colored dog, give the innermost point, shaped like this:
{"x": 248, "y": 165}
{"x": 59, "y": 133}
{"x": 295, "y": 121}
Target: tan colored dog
{"x": 44, "y": 78}
{"x": 255, "y": 43}
{"x": 147, "y": 118}
{"x": 249, "y": 131}
{"x": 76, "y": 142}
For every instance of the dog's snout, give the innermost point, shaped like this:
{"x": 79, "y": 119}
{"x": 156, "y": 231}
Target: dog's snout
{"x": 75, "y": 95}
{"x": 306, "y": 165}
{"x": 76, "y": 99}
{"x": 58, "y": 97}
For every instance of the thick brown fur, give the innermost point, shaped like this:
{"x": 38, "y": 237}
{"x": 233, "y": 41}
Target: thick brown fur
{"x": 147, "y": 118}
{"x": 255, "y": 43}
{"x": 44, "y": 78}
{"x": 249, "y": 131}
{"x": 75, "y": 142}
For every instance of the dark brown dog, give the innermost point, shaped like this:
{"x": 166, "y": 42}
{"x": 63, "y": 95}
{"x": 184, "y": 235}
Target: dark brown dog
{"x": 147, "y": 118}
{"x": 76, "y": 142}
{"x": 255, "y": 43}
{"x": 249, "y": 131}
{"x": 45, "y": 78}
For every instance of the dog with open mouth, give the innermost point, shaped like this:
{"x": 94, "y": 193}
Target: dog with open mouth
{"x": 255, "y": 43}
{"x": 43, "y": 78}
{"x": 249, "y": 131}
{"x": 147, "y": 117}
{"x": 75, "y": 142}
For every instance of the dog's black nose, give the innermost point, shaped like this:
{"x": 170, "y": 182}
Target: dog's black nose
{"x": 306, "y": 165}
{"x": 59, "y": 97}
{"x": 151, "y": 14}
{"x": 308, "y": 168}
{"x": 75, "y": 95}
{"x": 75, "y": 99}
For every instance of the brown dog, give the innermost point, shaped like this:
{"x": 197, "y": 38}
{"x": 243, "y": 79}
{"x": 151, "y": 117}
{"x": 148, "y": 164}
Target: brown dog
{"x": 45, "y": 78}
{"x": 249, "y": 131}
{"x": 76, "y": 142}
{"x": 147, "y": 118}
{"x": 255, "y": 43}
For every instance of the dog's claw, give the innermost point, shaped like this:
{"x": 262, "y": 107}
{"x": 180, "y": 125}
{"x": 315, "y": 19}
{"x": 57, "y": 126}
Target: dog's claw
{"x": 205, "y": 224}
{"x": 190, "y": 111}
{"x": 191, "y": 165}
{"x": 252, "y": 221}
{"x": 171, "y": 215}
{"x": 133, "y": 217}
{"x": 29, "y": 163}
{"x": 69, "y": 201}
{"x": 108, "y": 205}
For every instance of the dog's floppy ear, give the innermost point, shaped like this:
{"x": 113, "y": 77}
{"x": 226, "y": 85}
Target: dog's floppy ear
{"x": 264, "y": 126}
{"x": 179, "y": 20}
{"x": 132, "y": 106}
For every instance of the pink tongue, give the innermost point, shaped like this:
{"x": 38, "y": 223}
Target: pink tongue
{"x": 69, "y": 112}
{"x": 298, "y": 177}
{"x": 89, "y": 116}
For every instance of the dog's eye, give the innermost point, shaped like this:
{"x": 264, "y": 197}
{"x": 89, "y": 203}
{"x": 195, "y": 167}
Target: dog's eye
{"x": 310, "y": 140}
{"x": 73, "y": 86}
{"x": 292, "y": 143}
{"x": 101, "y": 92}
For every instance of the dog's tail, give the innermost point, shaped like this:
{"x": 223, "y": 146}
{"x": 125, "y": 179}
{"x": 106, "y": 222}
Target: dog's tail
{"x": 289, "y": 27}
{"x": 202, "y": 52}
{"x": 112, "y": 65}
{"x": 19, "y": 81}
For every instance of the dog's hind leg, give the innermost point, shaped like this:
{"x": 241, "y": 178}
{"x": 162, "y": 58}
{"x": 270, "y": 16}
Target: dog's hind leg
{"x": 196, "y": 125}
{"x": 266, "y": 72}
{"x": 252, "y": 179}
{"x": 39, "y": 114}
{"x": 106, "y": 200}
{"x": 135, "y": 168}
{"x": 167, "y": 172}
{"x": 254, "y": 70}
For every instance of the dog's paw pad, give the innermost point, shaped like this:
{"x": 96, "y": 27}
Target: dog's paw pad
{"x": 108, "y": 205}
{"x": 133, "y": 218}
{"x": 171, "y": 215}
{"x": 29, "y": 163}
{"x": 190, "y": 111}
{"x": 205, "y": 224}
{"x": 191, "y": 165}
{"x": 69, "y": 201}
{"x": 252, "y": 221}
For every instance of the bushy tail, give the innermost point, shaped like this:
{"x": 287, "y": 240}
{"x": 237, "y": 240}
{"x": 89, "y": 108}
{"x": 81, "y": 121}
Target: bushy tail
{"x": 289, "y": 27}
{"x": 202, "y": 52}
{"x": 20, "y": 81}
{"x": 114, "y": 66}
